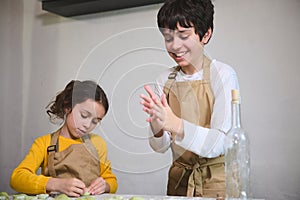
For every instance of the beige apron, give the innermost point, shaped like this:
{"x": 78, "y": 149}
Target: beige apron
{"x": 191, "y": 175}
{"x": 78, "y": 160}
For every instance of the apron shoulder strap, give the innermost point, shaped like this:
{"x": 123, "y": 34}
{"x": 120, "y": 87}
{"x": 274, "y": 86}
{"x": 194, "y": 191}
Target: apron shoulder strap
{"x": 173, "y": 74}
{"x": 206, "y": 69}
{"x": 51, "y": 152}
{"x": 89, "y": 146}
{"x": 171, "y": 80}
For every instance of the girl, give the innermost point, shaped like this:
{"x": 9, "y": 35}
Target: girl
{"x": 72, "y": 159}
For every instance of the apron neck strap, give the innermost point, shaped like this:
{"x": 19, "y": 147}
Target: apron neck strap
{"x": 89, "y": 145}
{"x": 206, "y": 68}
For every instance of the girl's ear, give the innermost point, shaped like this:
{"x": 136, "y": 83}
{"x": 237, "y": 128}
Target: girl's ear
{"x": 68, "y": 110}
{"x": 207, "y": 36}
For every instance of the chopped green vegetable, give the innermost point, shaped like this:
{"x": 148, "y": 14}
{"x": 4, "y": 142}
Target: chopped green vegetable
{"x": 19, "y": 196}
{"x": 4, "y": 196}
{"x": 86, "y": 193}
{"x": 136, "y": 198}
{"x": 86, "y": 198}
{"x": 115, "y": 198}
{"x": 30, "y": 197}
{"x": 62, "y": 197}
{"x": 42, "y": 196}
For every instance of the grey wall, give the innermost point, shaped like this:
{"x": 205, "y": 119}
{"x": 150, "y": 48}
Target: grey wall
{"x": 40, "y": 52}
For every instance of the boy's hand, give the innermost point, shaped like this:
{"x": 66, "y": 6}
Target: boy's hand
{"x": 149, "y": 104}
{"x": 161, "y": 115}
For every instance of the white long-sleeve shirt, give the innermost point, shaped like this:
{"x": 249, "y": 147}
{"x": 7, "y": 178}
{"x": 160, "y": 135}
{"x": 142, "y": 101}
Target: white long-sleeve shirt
{"x": 205, "y": 142}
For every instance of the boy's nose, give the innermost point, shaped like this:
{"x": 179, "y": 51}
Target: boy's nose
{"x": 176, "y": 44}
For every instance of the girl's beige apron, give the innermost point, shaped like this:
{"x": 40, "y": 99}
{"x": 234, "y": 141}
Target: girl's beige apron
{"x": 78, "y": 160}
{"x": 189, "y": 174}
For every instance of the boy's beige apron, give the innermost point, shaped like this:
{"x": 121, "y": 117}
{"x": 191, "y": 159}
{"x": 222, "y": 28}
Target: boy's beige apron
{"x": 78, "y": 160}
{"x": 191, "y": 175}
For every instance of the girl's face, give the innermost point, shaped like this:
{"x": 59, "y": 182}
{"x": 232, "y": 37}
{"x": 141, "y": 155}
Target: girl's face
{"x": 185, "y": 47}
{"x": 83, "y": 118}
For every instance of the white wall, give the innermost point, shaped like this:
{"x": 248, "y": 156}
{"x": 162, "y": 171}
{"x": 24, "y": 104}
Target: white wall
{"x": 11, "y": 59}
{"x": 40, "y": 52}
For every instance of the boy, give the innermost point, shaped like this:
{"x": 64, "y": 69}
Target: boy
{"x": 193, "y": 112}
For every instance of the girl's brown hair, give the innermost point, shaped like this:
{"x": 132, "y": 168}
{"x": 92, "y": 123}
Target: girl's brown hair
{"x": 74, "y": 93}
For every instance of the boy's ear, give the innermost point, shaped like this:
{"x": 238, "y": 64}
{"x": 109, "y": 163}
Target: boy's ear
{"x": 207, "y": 36}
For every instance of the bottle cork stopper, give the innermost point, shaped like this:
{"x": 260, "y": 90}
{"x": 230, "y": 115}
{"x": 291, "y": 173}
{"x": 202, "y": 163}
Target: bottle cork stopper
{"x": 235, "y": 96}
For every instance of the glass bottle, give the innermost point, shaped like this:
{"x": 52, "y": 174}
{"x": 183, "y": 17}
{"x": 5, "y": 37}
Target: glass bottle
{"x": 237, "y": 155}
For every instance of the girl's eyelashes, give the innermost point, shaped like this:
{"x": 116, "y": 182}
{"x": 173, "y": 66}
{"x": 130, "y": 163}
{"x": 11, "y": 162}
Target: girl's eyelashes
{"x": 96, "y": 121}
{"x": 84, "y": 116}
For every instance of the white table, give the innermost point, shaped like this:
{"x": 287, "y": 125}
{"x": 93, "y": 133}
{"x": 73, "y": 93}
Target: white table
{"x": 148, "y": 197}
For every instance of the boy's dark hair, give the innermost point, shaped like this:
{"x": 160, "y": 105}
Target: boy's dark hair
{"x": 188, "y": 13}
{"x": 74, "y": 93}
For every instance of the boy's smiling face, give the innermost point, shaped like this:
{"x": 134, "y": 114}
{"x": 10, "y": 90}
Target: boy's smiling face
{"x": 185, "y": 47}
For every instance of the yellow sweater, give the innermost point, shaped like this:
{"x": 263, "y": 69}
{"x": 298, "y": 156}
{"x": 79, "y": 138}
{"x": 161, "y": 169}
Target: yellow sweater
{"x": 25, "y": 180}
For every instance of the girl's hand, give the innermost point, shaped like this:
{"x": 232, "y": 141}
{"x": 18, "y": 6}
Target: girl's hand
{"x": 70, "y": 186}
{"x": 98, "y": 186}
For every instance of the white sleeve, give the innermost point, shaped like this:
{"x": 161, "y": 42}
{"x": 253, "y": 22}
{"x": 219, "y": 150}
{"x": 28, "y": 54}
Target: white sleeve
{"x": 160, "y": 144}
{"x": 209, "y": 142}
{"x": 204, "y": 142}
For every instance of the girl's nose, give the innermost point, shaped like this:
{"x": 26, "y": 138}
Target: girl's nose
{"x": 87, "y": 124}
